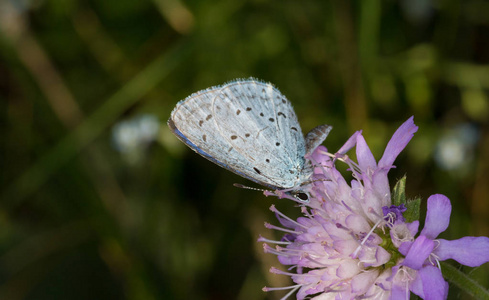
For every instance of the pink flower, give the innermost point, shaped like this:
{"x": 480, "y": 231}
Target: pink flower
{"x": 339, "y": 246}
{"x": 423, "y": 254}
{"x": 352, "y": 242}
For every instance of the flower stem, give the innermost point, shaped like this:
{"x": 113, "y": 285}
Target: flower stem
{"x": 463, "y": 281}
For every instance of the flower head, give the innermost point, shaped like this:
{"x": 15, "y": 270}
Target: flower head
{"x": 422, "y": 255}
{"x": 353, "y": 240}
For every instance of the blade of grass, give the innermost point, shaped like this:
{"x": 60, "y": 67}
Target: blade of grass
{"x": 66, "y": 149}
{"x": 464, "y": 282}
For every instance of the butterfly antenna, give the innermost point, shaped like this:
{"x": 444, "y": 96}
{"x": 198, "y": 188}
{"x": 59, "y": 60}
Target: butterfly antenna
{"x": 238, "y": 185}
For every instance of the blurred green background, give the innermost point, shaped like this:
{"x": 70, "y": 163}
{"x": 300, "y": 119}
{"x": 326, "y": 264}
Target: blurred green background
{"x": 100, "y": 201}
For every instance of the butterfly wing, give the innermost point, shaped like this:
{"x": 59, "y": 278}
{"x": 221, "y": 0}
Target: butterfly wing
{"x": 264, "y": 130}
{"x": 246, "y": 126}
{"x": 316, "y": 137}
{"x": 191, "y": 122}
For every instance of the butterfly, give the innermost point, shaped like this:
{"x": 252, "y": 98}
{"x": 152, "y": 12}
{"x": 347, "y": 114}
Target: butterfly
{"x": 248, "y": 127}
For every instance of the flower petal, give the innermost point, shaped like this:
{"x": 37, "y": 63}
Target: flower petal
{"x": 361, "y": 282}
{"x": 404, "y": 248}
{"x": 400, "y": 277}
{"x": 470, "y": 250}
{"x": 345, "y": 247}
{"x": 429, "y": 284}
{"x": 399, "y": 140}
{"x": 400, "y": 233}
{"x": 437, "y": 216}
{"x": 381, "y": 186}
{"x": 382, "y": 256}
{"x": 399, "y": 291}
{"x": 357, "y": 223}
{"x": 365, "y": 157}
{"x": 418, "y": 253}
{"x": 348, "y": 268}
{"x": 325, "y": 296}
{"x": 413, "y": 227}
{"x": 318, "y": 156}
{"x": 350, "y": 143}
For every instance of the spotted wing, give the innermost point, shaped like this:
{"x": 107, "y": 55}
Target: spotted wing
{"x": 246, "y": 126}
{"x": 264, "y": 131}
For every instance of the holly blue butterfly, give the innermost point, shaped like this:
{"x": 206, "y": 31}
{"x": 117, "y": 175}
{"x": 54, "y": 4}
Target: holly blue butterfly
{"x": 250, "y": 128}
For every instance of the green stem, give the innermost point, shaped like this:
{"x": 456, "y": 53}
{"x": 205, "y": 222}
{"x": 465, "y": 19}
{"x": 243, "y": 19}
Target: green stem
{"x": 463, "y": 281}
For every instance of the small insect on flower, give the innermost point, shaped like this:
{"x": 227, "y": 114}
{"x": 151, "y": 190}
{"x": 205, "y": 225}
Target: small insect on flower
{"x": 250, "y": 128}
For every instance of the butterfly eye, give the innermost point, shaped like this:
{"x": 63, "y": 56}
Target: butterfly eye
{"x": 300, "y": 195}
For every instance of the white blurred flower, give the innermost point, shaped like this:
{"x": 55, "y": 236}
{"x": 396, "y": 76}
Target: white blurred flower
{"x": 132, "y": 137}
{"x": 456, "y": 147}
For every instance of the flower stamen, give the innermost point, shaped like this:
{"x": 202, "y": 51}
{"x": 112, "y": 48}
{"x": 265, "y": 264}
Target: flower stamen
{"x": 262, "y": 239}
{"x": 275, "y": 210}
{"x": 355, "y": 253}
{"x": 270, "y": 226}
